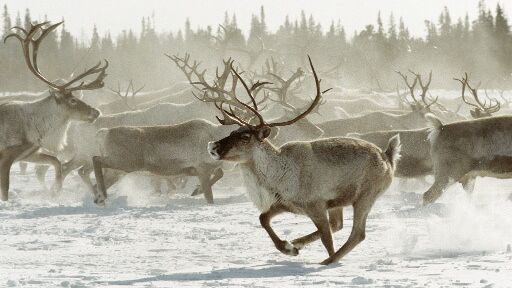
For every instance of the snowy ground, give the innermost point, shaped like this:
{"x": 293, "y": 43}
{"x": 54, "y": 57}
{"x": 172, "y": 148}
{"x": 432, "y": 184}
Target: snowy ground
{"x": 144, "y": 240}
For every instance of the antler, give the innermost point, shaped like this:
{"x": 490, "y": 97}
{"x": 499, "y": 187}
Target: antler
{"x": 254, "y": 55}
{"x": 216, "y": 92}
{"x": 410, "y": 86}
{"x": 492, "y": 108}
{"x": 29, "y": 41}
{"x": 95, "y": 84}
{"x": 125, "y": 96}
{"x": 236, "y": 119}
{"x": 480, "y": 107}
{"x": 424, "y": 88}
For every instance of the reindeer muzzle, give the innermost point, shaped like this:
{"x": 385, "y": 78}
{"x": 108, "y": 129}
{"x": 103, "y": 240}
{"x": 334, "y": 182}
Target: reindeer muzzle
{"x": 93, "y": 115}
{"x": 213, "y": 150}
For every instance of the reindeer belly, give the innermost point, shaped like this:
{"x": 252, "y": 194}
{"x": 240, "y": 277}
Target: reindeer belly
{"x": 413, "y": 167}
{"x": 498, "y": 167}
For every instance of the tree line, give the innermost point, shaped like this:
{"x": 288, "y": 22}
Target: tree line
{"x": 365, "y": 59}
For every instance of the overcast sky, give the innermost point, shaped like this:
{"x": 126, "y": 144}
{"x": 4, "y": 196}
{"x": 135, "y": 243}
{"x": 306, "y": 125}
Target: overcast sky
{"x": 114, "y": 16}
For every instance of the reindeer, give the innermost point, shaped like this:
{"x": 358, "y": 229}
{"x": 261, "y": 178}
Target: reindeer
{"x": 126, "y": 99}
{"x": 160, "y": 150}
{"x": 169, "y": 150}
{"x": 390, "y": 120}
{"x": 481, "y": 109}
{"x": 415, "y": 150}
{"x": 315, "y": 178}
{"x": 173, "y": 94}
{"x": 463, "y": 150}
{"x": 30, "y": 126}
{"x": 81, "y": 143}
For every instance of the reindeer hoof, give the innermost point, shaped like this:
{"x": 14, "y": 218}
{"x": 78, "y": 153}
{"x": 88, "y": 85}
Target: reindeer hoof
{"x": 428, "y": 199}
{"x": 327, "y": 261}
{"x": 100, "y": 202}
{"x": 197, "y": 191}
{"x": 289, "y": 249}
{"x": 298, "y": 244}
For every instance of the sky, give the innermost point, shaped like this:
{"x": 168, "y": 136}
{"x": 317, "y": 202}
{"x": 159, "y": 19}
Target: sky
{"x": 114, "y": 16}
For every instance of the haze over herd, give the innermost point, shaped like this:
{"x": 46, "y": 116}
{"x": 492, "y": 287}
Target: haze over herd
{"x": 276, "y": 114}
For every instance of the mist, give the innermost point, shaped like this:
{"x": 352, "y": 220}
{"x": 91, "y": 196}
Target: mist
{"x": 255, "y": 144}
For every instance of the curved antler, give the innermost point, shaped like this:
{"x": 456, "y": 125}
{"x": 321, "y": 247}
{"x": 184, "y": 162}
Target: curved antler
{"x": 410, "y": 86}
{"x": 29, "y": 41}
{"x": 480, "y": 107}
{"x": 236, "y": 119}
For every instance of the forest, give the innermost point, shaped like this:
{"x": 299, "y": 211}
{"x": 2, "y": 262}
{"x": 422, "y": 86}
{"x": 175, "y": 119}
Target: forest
{"x": 361, "y": 59}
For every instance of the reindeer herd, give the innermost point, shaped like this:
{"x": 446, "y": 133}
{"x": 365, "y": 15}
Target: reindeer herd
{"x": 294, "y": 153}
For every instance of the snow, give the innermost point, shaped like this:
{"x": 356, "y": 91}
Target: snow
{"x": 141, "y": 239}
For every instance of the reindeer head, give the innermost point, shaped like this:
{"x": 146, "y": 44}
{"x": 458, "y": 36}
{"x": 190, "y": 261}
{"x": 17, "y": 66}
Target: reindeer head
{"x": 421, "y": 107}
{"x": 239, "y": 144}
{"x": 480, "y": 109}
{"x": 72, "y": 106}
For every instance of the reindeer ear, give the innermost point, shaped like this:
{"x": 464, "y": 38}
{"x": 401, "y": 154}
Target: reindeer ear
{"x": 264, "y": 133}
{"x": 55, "y": 93}
{"x": 274, "y": 132}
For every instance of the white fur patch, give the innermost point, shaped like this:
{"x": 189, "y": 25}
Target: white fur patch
{"x": 288, "y": 246}
{"x": 213, "y": 153}
{"x": 432, "y": 135}
{"x": 261, "y": 198}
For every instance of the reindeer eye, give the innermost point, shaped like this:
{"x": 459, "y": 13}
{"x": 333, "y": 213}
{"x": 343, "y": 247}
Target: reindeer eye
{"x": 73, "y": 101}
{"x": 245, "y": 137}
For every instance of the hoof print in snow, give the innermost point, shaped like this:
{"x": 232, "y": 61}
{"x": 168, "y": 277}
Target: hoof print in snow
{"x": 361, "y": 281}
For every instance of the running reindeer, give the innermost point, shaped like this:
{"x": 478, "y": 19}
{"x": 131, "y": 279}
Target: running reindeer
{"x": 29, "y": 126}
{"x": 315, "y": 178}
{"x": 167, "y": 150}
{"x": 462, "y": 151}
{"x": 386, "y": 121}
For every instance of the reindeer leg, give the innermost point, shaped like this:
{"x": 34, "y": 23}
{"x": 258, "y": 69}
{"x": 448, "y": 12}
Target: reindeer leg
{"x": 156, "y": 183}
{"x": 214, "y": 177}
{"x": 336, "y": 222}
{"x": 318, "y": 214}
{"x": 172, "y": 183}
{"x": 7, "y": 157}
{"x": 84, "y": 172}
{"x": 39, "y": 157}
{"x": 284, "y": 246}
{"x": 68, "y": 167}
{"x": 468, "y": 183}
{"x": 206, "y": 187}
{"x": 41, "y": 174}
{"x": 435, "y": 191}
{"x": 358, "y": 233}
{"x": 101, "y": 195}
{"x": 23, "y": 168}
{"x": 5, "y": 168}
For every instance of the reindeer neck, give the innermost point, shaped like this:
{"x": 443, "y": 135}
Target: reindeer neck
{"x": 49, "y": 123}
{"x": 269, "y": 167}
